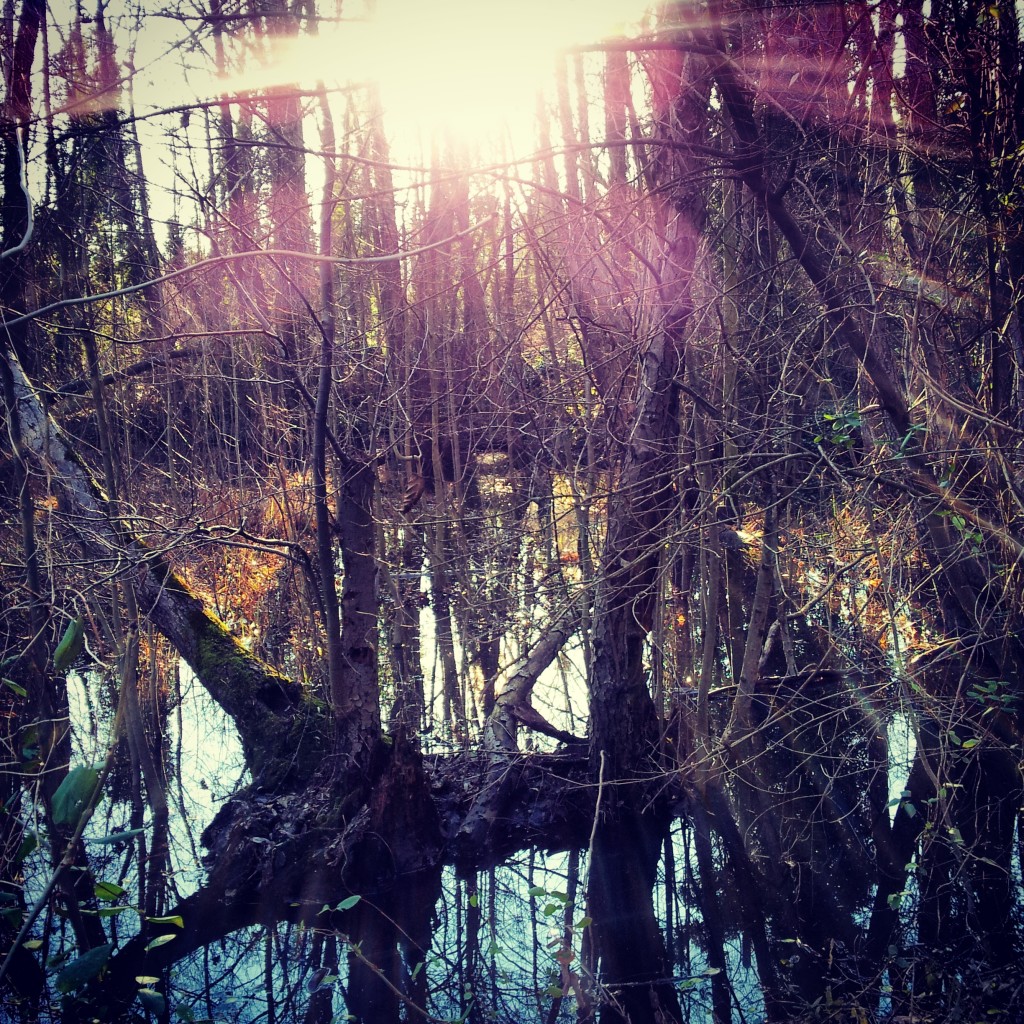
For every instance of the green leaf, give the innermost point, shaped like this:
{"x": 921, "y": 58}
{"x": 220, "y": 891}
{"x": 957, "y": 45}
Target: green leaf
{"x": 474, "y": 900}
{"x": 160, "y": 940}
{"x": 318, "y": 979}
{"x": 70, "y": 646}
{"x": 73, "y": 794}
{"x": 117, "y": 837}
{"x": 84, "y": 968}
{"x": 152, "y": 1000}
{"x": 28, "y": 844}
{"x": 108, "y": 891}
{"x": 32, "y": 944}
{"x": 146, "y": 979}
{"x": 538, "y": 890}
{"x": 12, "y": 685}
{"x": 175, "y": 919}
{"x": 112, "y": 911}
{"x": 348, "y": 904}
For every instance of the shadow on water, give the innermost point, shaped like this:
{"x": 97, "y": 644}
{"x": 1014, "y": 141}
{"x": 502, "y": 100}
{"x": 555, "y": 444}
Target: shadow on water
{"x": 634, "y": 973}
{"x": 816, "y": 874}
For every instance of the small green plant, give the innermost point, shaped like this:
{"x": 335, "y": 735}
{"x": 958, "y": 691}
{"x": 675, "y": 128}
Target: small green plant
{"x": 904, "y": 801}
{"x": 553, "y": 904}
{"x": 966, "y": 530}
{"x": 698, "y": 979}
{"x": 843, "y": 425}
{"x": 994, "y": 695}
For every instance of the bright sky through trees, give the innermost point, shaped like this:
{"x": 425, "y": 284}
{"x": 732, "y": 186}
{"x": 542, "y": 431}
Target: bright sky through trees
{"x": 464, "y": 69}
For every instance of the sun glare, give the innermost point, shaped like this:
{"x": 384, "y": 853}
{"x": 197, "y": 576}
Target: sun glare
{"x": 465, "y": 69}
